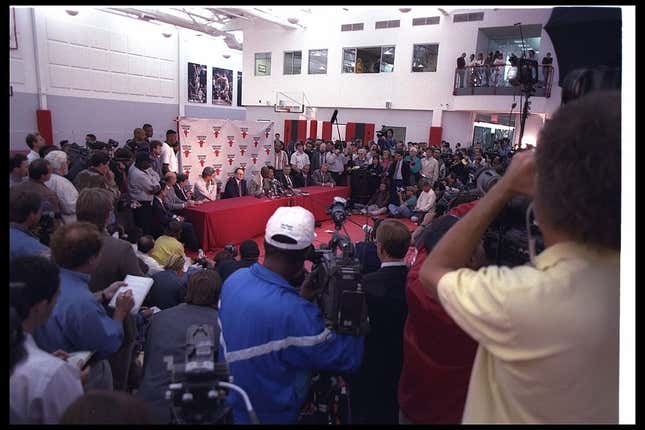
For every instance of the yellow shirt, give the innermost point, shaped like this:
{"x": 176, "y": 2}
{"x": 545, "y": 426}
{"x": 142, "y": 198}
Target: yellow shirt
{"x": 165, "y": 246}
{"x": 548, "y": 337}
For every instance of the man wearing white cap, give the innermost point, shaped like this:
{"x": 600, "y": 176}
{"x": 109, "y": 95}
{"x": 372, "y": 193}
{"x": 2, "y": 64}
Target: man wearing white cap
{"x": 272, "y": 335}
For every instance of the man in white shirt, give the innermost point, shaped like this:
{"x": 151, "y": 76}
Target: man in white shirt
{"x": 35, "y": 142}
{"x": 280, "y": 158}
{"x": 142, "y": 249}
{"x": 64, "y": 189}
{"x": 299, "y": 158}
{"x": 43, "y": 385}
{"x": 205, "y": 186}
{"x": 425, "y": 203}
{"x": 548, "y": 331}
{"x": 336, "y": 160}
{"x": 169, "y": 150}
{"x": 429, "y": 168}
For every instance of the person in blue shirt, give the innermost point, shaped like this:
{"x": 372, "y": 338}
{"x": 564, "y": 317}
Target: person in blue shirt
{"x": 25, "y": 210}
{"x": 79, "y": 322}
{"x": 273, "y": 337}
{"x": 389, "y": 142}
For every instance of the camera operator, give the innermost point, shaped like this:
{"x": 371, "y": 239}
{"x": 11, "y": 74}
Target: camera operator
{"x": 385, "y": 290}
{"x": 549, "y": 329}
{"x": 274, "y": 336}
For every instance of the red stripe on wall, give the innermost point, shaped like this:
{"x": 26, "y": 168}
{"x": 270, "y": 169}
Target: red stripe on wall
{"x": 44, "y": 121}
{"x": 350, "y": 131}
{"x": 435, "y": 136}
{"x": 326, "y": 130}
{"x": 369, "y": 133}
{"x": 313, "y": 129}
{"x": 302, "y": 130}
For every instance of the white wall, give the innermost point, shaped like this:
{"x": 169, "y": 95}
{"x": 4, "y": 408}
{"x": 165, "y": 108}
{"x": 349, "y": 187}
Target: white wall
{"x": 22, "y": 66}
{"x": 457, "y": 127}
{"x": 405, "y": 89}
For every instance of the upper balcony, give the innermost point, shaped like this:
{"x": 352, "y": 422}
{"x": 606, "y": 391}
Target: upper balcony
{"x": 495, "y": 81}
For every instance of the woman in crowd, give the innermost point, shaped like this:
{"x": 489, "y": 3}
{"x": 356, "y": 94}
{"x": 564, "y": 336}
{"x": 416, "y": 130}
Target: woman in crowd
{"x": 386, "y": 160}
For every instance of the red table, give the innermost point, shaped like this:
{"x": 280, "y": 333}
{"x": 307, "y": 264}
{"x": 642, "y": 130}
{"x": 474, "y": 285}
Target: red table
{"x": 238, "y": 219}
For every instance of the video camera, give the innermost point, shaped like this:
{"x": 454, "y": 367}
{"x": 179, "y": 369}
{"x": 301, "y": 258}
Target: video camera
{"x": 342, "y": 301}
{"x": 199, "y": 386}
{"x": 526, "y": 73}
{"x": 506, "y": 240}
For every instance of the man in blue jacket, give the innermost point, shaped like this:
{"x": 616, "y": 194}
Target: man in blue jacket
{"x": 273, "y": 337}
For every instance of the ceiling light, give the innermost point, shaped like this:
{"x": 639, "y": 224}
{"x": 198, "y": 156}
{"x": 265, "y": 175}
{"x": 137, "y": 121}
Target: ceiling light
{"x": 198, "y": 35}
{"x": 227, "y": 56}
{"x": 166, "y": 35}
{"x": 404, "y": 9}
{"x": 345, "y": 9}
{"x": 71, "y": 12}
{"x": 293, "y": 20}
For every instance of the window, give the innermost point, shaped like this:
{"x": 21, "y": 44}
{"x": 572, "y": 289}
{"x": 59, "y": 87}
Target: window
{"x": 292, "y": 62}
{"x": 263, "y": 64}
{"x": 352, "y": 27}
{"x": 317, "y": 61}
{"x": 387, "y": 24}
{"x": 464, "y": 17}
{"x": 430, "y": 20}
{"x": 424, "y": 58}
{"x": 377, "y": 59}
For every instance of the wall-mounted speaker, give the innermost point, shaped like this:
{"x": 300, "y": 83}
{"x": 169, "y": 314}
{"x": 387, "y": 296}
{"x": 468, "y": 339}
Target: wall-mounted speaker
{"x": 388, "y": 105}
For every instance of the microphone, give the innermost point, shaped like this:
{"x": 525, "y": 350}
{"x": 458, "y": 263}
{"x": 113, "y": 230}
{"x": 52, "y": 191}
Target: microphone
{"x": 333, "y": 117}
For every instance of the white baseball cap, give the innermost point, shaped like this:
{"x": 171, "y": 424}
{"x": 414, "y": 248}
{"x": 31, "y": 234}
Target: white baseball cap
{"x": 294, "y": 222}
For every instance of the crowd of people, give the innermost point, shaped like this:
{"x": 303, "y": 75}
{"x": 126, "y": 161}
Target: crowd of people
{"x": 493, "y": 70}
{"x": 451, "y": 340}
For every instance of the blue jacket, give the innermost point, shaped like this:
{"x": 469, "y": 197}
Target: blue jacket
{"x": 79, "y": 322}
{"x": 272, "y": 340}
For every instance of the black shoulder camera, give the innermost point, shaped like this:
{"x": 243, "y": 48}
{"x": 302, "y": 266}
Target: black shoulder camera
{"x": 200, "y": 385}
{"x": 337, "y": 270}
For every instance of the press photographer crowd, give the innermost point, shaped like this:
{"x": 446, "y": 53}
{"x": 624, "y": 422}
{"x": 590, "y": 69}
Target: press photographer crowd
{"x": 486, "y": 289}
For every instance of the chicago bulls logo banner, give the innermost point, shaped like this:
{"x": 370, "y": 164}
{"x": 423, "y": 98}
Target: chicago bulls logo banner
{"x": 223, "y": 144}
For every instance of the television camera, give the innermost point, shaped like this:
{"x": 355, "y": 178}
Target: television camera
{"x": 336, "y": 271}
{"x": 506, "y": 240}
{"x": 200, "y": 385}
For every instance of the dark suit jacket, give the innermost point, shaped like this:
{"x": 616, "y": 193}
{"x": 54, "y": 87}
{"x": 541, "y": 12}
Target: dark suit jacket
{"x": 161, "y": 217}
{"x": 116, "y": 260}
{"x": 283, "y": 180}
{"x": 168, "y": 290}
{"x": 179, "y": 192}
{"x": 383, "y": 358}
{"x": 300, "y": 180}
{"x": 315, "y": 159}
{"x": 405, "y": 172}
{"x": 231, "y": 190}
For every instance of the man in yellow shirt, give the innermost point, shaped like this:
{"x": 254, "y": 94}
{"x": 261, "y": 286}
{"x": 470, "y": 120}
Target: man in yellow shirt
{"x": 168, "y": 244}
{"x": 547, "y": 331}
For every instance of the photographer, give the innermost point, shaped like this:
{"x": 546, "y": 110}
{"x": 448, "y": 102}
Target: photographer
{"x": 273, "y": 335}
{"x": 548, "y": 329}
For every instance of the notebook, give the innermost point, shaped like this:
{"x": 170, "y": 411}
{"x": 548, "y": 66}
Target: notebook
{"x": 79, "y": 358}
{"x": 140, "y": 287}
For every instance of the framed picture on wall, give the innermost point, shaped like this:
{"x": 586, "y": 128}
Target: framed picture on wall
{"x": 222, "y": 86}
{"x": 197, "y": 83}
{"x": 13, "y": 35}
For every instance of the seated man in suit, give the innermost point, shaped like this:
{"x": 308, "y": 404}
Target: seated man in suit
{"x": 387, "y": 310}
{"x": 171, "y": 200}
{"x": 183, "y": 189}
{"x": 161, "y": 217}
{"x": 323, "y": 177}
{"x": 304, "y": 178}
{"x": 286, "y": 177}
{"x": 236, "y": 185}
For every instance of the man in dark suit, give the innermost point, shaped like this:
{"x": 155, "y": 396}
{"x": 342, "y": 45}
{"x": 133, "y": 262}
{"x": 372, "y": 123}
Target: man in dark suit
{"x": 117, "y": 258}
{"x": 161, "y": 217}
{"x": 398, "y": 173}
{"x": 236, "y": 185}
{"x": 387, "y": 310}
{"x": 287, "y": 178}
{"x": 180, "y": 191}
{"x": 304, "y": 178}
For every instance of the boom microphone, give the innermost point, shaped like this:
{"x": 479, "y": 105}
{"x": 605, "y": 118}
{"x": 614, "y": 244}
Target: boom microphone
{"x": 333, "y": 117}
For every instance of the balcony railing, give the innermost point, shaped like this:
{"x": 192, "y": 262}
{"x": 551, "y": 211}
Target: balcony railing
{"x": 494, "y": 80}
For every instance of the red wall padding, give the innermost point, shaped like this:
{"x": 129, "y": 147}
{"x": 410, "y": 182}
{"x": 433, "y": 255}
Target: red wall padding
{"x": 435, "y": 136}
{"x": 326, "y": 130}
{"x": 44, "y": 120}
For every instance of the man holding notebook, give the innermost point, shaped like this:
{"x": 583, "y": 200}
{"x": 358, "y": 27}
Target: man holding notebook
{"x": 79, "y": 322}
